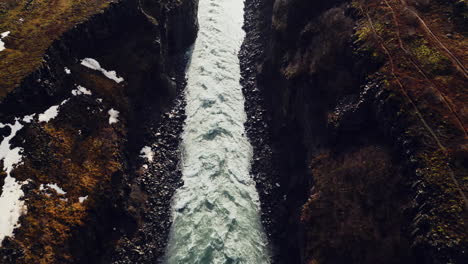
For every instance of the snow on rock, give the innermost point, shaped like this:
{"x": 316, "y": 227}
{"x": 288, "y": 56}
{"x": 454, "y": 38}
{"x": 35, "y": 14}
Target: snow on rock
{"x": 2, "y": 36}
{"x": 51, "y": 113}
{"x": 94, "y": 64}
{"x": 113, "y": 116}
{"x": 147, "y": 153}
{"x": 67, "y": 71}
{"x": 82, "y": 199}
{"x": 29, "y": 118}
{"x": 11, "y": 205}
{"x": 81, "y": 90}
{"x": 10, "y": 157}
{"x": 52, "y": 186}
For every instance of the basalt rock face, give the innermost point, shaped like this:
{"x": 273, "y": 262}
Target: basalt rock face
{"x": 353, "y": 172}
{"x": 91, "y": 156}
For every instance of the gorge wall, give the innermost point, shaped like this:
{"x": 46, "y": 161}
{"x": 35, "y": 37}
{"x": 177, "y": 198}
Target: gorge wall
{"x": 78, "y": 167}
{"x": 366, "y": 128}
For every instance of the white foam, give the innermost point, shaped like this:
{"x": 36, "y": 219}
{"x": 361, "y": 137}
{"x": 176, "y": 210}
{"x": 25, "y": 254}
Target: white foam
{"x": 215, "y": 213}
{"x": 94, "y": 64}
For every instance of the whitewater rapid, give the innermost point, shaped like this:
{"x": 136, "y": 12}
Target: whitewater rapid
{"x": 216, "y": 212}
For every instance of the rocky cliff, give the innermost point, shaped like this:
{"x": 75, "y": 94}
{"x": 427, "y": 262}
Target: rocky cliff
{"x": 365, "y": 128}
{"x": 78, "y": 113}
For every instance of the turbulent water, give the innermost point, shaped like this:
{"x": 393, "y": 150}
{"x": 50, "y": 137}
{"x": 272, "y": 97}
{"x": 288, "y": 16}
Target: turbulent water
{"x": 216, "y": 213}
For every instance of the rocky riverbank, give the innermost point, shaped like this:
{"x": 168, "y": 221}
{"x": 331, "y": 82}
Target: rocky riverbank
{"x": 266, "y": 163}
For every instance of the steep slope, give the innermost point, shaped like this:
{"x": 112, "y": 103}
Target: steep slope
{"x": 364, "y": 102}
{"x": 93, "y": 87}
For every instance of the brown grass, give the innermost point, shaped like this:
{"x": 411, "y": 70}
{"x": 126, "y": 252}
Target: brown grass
{"x": 43, "y": 22}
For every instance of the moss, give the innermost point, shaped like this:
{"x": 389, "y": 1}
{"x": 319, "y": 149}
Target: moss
{"x": 431, "y": 59}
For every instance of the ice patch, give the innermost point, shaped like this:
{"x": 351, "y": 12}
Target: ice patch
{"x": 81, "y": 90}
{"x": 67, "y": 71}
{"x": 94, "y": 64}
{"x": 113, "y": 116}
{"x": 11, "y": 207}
{"x": 147, "y": 153}
{"x": 82, "y": 199}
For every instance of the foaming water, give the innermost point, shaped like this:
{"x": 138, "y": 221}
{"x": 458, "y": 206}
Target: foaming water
{"x": 216, "y": 213}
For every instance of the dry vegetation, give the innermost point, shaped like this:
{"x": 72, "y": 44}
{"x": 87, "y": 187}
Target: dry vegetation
{"x": 79, "y": 151}
{"x": 34, "y": 25}
{"x": 426, "y": 51}
{"x": 356, "y": 197}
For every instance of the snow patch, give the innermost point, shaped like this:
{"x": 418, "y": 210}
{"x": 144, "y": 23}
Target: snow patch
{"x": 147, "y": 153}
{"x": 29, "y": 118}
{"x": 67, "y": 71}
{"x": 51, "y": 113}
{"x": 52, "y": 186}
{"x": 2, "y": 36}
{"x": 81, "y": 90}
{"x": 10, "y": 157}
{"x": 94, "y": 64}
{"x": 11, "y": 207}
{"x": 82, "y": 199}
{"x": 113, "y": 116}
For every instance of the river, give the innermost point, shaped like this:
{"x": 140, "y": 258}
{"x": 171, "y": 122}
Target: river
{"x": 216, "y": 213}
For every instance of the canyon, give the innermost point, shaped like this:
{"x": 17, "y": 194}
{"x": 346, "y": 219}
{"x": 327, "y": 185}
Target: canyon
{"x": 231, "y": 131}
